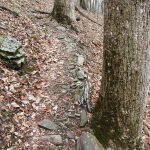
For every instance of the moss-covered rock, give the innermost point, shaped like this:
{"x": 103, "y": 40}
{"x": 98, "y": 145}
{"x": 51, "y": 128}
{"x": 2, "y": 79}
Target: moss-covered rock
{"x": 87, "y": 141}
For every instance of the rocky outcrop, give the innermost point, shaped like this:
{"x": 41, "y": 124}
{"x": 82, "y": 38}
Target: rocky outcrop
{"x": 12, "y": 51}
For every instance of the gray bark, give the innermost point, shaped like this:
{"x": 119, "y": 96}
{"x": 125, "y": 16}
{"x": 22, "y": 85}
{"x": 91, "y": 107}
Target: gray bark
{"x": 118, "y": 114}
{"x": 64, "y": 11}
{"x": 92, "y": 5}
{"x": 84, "y": 4}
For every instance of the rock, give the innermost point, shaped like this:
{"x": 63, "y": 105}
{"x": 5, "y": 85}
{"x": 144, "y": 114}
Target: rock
{"x": 77, "y": 85}
{"x": 15, "y": 105}
{"x": 66, "y": 87}
{"x": 81, "y": 75}
{"x": 71, "y": 47}
{"x": 73, "y": 71}
{"x": 83, "y": 118}
{"x": 9, "y": 44}
{"x": 80, "y": 60}
{"x": 87, "y": 141}
{"x": 47, "y": 124}
{"x": 72, "y": 67}
{"x": 78, "y": 19}
{"x": 18, "y": 54}
{"x": 70, "y": 135}
{"x": 11, "y": 50}
{"x": 77, "y": 90}
{"x": 53, "y": 147}
{"x": 19, "y": 62}
{"x": 61, "y": 28}
{"x": 61, "y": 36}
{"x": 55, "y": 139}
{"x": 68, "y": 40}
{"x": 77, "y": 94}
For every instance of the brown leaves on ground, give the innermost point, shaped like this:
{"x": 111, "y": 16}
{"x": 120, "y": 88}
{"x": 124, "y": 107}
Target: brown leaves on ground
{"x": 29, "y": 98}
{"x": 26, "y": 99}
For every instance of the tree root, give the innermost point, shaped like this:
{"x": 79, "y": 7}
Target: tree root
{"x": 15, "y": 14}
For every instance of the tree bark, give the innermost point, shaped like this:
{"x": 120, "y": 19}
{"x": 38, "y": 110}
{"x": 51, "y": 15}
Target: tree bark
{"x": 64, "y": 11}
{"x": 84, "y": 4}
{"x": 118, "y": 115}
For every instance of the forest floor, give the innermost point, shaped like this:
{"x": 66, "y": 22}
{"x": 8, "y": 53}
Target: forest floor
{"x": 46, "y": 92}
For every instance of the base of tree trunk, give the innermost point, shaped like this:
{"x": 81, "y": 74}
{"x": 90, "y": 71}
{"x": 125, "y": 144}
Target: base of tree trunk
{"x": 63, "y": 19}
{"x": 63, "y": 11}
{"x": 109, "y": 133}
{"x": 65, "y": 22}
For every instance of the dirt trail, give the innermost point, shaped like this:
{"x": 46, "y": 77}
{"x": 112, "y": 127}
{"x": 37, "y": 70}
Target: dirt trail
{"x": 46, "y": 92}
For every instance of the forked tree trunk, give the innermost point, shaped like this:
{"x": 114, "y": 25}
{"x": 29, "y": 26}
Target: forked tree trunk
{"x": 118, "y": 115}
{"x": 64, "y": 11}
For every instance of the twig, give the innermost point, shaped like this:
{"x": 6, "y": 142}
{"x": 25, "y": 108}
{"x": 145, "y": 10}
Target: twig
{"x": 77, "y": 9}
{"x": 146, "y": 124}
{"x": 2, "y": 27}
{"x": 9, "y": 10}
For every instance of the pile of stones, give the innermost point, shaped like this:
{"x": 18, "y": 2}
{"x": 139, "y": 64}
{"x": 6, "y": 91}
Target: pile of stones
{"x": 12, "y": 51}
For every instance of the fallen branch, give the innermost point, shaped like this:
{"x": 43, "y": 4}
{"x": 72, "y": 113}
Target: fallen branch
{"x": 39, "y": 17}
{"x": 40, "y": 12}
{"x": 9, "y": 10}
{"x": 80, "y": 12}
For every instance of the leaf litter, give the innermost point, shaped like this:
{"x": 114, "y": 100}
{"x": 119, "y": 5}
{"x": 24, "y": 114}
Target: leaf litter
{"x": 27, "y": 99}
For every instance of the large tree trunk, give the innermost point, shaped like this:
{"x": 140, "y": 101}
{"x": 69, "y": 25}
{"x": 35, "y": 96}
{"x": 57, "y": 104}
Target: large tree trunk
{"x": 118, "y": 115}
{"x": 64, "y": 11}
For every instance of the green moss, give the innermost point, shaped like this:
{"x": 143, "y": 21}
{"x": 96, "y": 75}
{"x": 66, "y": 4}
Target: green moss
{"x": 105, "y": 127}
{"x": 26, "y": 69}
{"x": 34, "y": 36}
{"x": 130, "y": 43}
{"x": 78, "y": 93}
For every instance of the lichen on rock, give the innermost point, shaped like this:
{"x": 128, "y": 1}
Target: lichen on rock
{"x": 12, "y": 52}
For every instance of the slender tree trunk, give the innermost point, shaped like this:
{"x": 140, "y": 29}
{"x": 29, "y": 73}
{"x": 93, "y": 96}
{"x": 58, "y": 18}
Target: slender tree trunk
{"x": 118, "y": 114}
{"x": 64, "y": 11}
{"x": 83, "y": 4}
